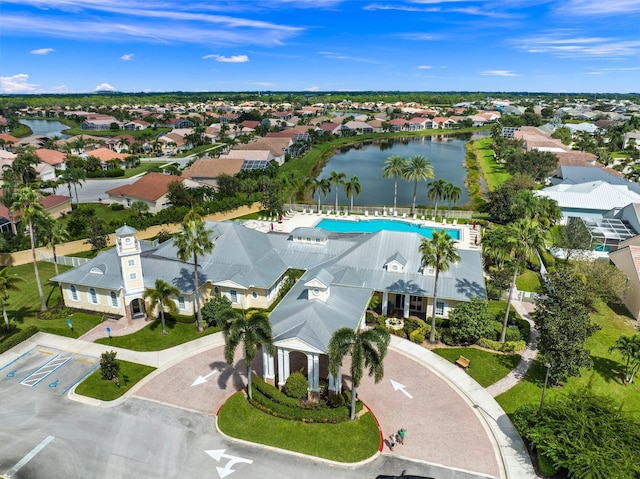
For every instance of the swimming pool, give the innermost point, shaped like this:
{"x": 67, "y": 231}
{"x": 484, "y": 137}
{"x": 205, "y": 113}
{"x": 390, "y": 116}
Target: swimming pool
{"x": 372, "y": 226}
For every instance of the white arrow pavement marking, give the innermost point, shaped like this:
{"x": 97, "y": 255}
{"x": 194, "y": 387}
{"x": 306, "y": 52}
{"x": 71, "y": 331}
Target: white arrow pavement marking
{"x": 203, "y": 379}
{"x": 218, "y": 454}
{"x": 397, "y": 386}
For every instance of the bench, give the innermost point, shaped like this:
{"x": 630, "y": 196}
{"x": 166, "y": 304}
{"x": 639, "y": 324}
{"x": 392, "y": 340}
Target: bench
{"x": 463, "y": 362}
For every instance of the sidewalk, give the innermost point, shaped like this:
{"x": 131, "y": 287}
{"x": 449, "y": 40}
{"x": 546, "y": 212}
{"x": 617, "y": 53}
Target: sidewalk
{"x": 121, "y": 327}
{"x": 528, "y": 355}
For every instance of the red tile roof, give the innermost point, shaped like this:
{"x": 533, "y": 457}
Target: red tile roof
{"x": 50, "y": 157}
{"x": 150, "y": 187}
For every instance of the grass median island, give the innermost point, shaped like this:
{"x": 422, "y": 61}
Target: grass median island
{"x": 95, "y": 387}
{"x": 150, "y": 338}
{"x": 349, "y": 441}
{"x": 494, "y": 173}
{"x": 485, "y": 367}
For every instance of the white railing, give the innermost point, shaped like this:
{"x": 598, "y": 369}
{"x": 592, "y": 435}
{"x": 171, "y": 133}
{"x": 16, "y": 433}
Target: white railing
{"x": 64, "y": 260}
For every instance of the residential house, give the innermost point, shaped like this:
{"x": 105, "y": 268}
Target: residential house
{"x": 100, "y": 122}
{"x": 55, "y": 205}
{"x": 627, "y": 259}
{"x": 207, "y": 170}
{"x": 136, "y": 125}
{"x": 8, "y": 142}
{"x": 151, "y": 189}
{"x": 397, "y": 124}
{"x": 54, "y": 158}
{"x": 277, "y": 148}
{"x": 342, "y": 274}
{"x": 106, "y": 156}
{"x": 417, "y": 123}
{"x": 632, "y": 138}
{"x": 360, "y": 127}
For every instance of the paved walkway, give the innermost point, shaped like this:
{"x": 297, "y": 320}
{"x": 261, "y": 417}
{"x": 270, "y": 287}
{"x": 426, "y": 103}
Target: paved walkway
{"x": 121, "y": 327}
{"x": 530, "y": 353}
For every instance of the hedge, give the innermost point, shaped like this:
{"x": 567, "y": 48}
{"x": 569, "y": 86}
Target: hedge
{"x": 17, "y": 338}
{"x": 506, "y": 347}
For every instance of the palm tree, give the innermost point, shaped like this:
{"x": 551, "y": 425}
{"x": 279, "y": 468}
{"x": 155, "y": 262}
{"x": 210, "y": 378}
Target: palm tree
{"x": 337, "y": 179}
{"x": 368, "y": 348}
{"x": 251, "y": 331}
{"x": 438, "y": 253}
{"x": 194, "y": 241}
{"x": 394, "y": 167}
{"x": 352, "y": 187}
{"x": 75, "y": 177}
{"x": 452, "y": 194}
{"x": 418, "y": 169}
{"x": 436, "y": 192}
{"x": 525, "y": 237}
{"x": 139, "y": 208}
{"x": 629, "y": 347}
{"x": 161, "y": 295}
{"x": 8, "y": 282}
{"x": 54, "y": 233}
{"x": 322, "y": 186}
{"x": 26, "y": 203}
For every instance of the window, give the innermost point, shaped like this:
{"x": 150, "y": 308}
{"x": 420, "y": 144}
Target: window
{"x": 131, "y": 262}
{"x": 133, "y": 276}
{"x": 74, "y": 292}
{"x": 415, "y": 303}
{"x": 394, "y": 267}
{"x": 308, "y": 239}
{"x": 254, "y": 295}
{"x": 181, "y": 303}
{"x": 440, "y": 308}
{"x": 114, "y": 299}
{"x": 93, "y": 297}
{"x": 299, "y": 238}
{"x": 233, "y": 295}
{"x": 216, "y": 290}
{"x": 316, "y": 291}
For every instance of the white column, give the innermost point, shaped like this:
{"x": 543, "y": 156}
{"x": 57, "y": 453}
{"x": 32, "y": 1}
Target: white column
{"x": 287, "y": 366}
{"x": 280, "y": 367}
{"x": 407, "y": 302}
{"x": 267, "y": 365}
{"x": 316, "y": 372}
{"x": 385, "y": 302}
{"x": 332, "y": 384}
{"x": 339, "y": 381}
{"x": 310, "y": 371}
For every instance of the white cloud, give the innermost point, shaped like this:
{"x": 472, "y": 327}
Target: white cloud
{"x": 231, "y": 59}
{"x": 599, "y": 7}
{"x": 424, "y": 67}
{"x": 338, "y": 56}
{"x": 41, "y": 51}
{"x": 563, "y": 44}
{"x": 17, "y": 84}
{"x": 126, "y": 57}
{"x": 104, "y": 87}
{"x": 499, "y": 73}
{"x": 312, "y": 88}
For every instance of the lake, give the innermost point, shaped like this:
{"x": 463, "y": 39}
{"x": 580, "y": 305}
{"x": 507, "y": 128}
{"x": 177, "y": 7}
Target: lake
{"x": 366, "y": 161}
{"x": 47, "y": 128}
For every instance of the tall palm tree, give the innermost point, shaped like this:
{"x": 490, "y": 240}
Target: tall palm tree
{"x": 322, "y": 186}
{"x": 525, "y": 237}
{"x": 337, "y": 179}
{"x": 436, "y": 191}
{"x": 27, "y": 205}
{"x": 438, "y": 253}
{"x": 160, "y": 294}
{"x": 75, "y": 177}
{"x": 394, "y": 167}
{"x": 629, "y": 347}
{"x": 352, "y": 187}
{"x": 250, "y": 331}
{"x": 452, "y": 194}
{"x": 418, "y": 169}
{"x": 53, "y": 234}
{"x": 8, "y": 282}
{"x": 192, "y": 242}
{"x": 368, "y": 348}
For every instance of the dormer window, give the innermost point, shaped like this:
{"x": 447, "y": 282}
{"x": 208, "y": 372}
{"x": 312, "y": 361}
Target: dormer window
{"x": 316, "y": 291}
{"x": 96, "y": 270}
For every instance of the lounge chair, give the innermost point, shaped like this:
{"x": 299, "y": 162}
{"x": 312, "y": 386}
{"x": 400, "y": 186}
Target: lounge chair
{"x": 455, "y": 221}
{"x": 375, "y": 213}
{"x": 404, "y": 215}
{"x": 415, "y": 216}
{"x": 366, "y": 212}
{"x": 395, "y": 213}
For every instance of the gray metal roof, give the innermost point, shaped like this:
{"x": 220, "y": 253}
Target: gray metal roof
{"x": 126, "y": 231}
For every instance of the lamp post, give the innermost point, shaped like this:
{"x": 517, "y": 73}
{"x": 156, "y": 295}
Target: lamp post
{"x": 544, "y": 388}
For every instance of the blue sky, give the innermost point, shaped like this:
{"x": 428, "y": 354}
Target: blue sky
{"x": 70, "y": 46}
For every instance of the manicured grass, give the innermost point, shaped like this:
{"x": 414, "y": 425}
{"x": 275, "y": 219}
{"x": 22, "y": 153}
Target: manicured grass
{"x": 497, "y": 309}
{"x": 494, "y": 173}
{"x": 142, "y": 168}
{"x": 529, "y": 281}
{"x": 103, "y": 212}
{"x": 604, "y": 378}
{"x": 112, "y": 133}
{"x": 485, "y": 367}
{"x": 94, "y": 387}
{"x": 82, "y": 322}
{"x": 201, "y": 149}
{"x": 349, "y": 441}
{"x": 151, "y": 338}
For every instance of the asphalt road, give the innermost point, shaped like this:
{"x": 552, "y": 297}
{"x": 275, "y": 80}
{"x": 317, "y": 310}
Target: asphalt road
{"x": 45, "y": 435}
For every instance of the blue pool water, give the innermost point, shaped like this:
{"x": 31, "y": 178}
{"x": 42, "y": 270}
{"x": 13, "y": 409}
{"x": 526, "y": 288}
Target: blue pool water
{"x": 372, "y": 226}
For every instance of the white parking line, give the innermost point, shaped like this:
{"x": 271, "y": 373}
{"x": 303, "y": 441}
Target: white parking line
{"x": 29, "y": 456}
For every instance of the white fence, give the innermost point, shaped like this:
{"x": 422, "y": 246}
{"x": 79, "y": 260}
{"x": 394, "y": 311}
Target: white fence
{"x": 64, "y": 260}
{"x": 381, "y": 210}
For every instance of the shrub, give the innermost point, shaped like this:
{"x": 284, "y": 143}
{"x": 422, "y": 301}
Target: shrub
{"x": 17, "y": 338}
{"x": 55, "y": 313}
{"x": 416, "y": 337}
{"x": 213, "y": 309}
{"x": 470, "y": 321}
{"x": 296, "y": 385}
{"x": 109, "y": 367}
{"x": 117, "y": 207}
{"x": 506, "y": 347}
{"x": 513, "y": 334}
{"x": 548, "y": 259}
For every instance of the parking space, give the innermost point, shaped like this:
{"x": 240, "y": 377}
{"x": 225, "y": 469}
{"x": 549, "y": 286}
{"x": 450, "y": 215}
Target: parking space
{"x": 46, "y": 369}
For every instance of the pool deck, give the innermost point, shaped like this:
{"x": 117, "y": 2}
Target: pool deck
{"x": 295, "y": 220}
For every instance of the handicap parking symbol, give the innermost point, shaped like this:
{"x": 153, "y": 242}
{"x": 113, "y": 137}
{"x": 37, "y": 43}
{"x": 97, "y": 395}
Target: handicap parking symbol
{"x": 54, "y": 384}
{"x": 12, "y": 374}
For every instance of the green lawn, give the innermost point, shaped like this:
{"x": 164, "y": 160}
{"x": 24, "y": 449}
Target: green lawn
{"x": 142, "y": 168}
{"x": 494, "y": 173}
{"x": 485, "y": 367}
{"x": 349, "y": 441}
{"x": 604, "y": 378}
{"x": 112, "y": 133}
{"x": 94, "y": 387}
{"x": 529, "y": 281}
{"x": 151, "y": 338}
{"x": 103, "y": 212}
